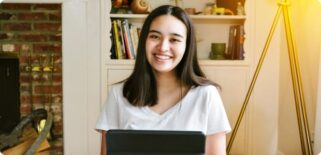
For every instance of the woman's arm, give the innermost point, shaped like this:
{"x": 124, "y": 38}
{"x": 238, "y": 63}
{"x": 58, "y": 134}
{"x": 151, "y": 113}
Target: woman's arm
{"x": 216, "y": 144}
{"x": 103, "y": 143}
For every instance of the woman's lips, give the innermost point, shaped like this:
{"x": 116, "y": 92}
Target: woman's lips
{"x": 162, "y": 57}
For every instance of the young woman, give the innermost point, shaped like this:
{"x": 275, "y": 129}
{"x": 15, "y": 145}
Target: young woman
{"x": 167, "y": 89}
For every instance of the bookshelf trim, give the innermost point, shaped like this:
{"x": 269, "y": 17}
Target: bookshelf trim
{"x": 127, "y": 62}
{"x": 214, "y": 17}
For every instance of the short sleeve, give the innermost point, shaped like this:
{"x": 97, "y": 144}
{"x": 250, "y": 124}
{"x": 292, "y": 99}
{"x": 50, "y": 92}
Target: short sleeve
{"x": 108, "y": 117}
{"x": 217, "y": 118}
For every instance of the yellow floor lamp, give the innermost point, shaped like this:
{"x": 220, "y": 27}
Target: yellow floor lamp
{"x": 305, "y": 140}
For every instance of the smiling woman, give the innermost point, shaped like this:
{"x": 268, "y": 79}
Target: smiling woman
{"x": 167, "y": 89}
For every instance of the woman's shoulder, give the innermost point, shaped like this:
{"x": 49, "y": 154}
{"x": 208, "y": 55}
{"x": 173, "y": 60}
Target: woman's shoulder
{"x": 206, "y": 89}
{"x": 117, "y": 87}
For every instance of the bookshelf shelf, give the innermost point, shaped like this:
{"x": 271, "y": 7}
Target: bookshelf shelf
{"x": 138, "y": 16}
{"x": 203, "y": 62}
{"x": 226, "y": 17}
{"x": 223, "y": 63}
{"x": 210, "y": 17}
{"x": 120, "y": 62}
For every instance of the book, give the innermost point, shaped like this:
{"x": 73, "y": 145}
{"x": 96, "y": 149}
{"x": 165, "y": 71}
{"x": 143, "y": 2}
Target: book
{"x": 241, "y": 38}
{"x": 237, "y": 43}
{"x": 126, "y": 40}
{"x": 116, "y": 39}
{"x": 230, "y": 54}
{"x": 129, "y": 39}
{"x": 133, "y": 31}
{"x": 235, "y": 49}
{"x": 121, "y": 40}
{"x": 113, "y": 44}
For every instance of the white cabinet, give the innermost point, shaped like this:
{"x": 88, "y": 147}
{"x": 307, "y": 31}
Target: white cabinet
{"x": 233, "y": 82}
{"x": 231, "y": 75}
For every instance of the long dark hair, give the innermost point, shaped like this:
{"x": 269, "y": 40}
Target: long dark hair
{"x": 140, "y": 87}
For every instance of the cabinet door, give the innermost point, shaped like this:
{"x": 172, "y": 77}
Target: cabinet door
{"x": 115, "y": 75}
{"x": 233, "y": 82}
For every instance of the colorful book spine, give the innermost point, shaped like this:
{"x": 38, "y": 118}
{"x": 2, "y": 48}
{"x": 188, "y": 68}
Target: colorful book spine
{"x": 113, "y": 44}
{"x": 242, "y": 39}
{"x": 117, "y": 41}
{"x": 231, "y": 43}
{"x": 126, "y": 40}
{"x": 130, "y": 40}
{"x": 121, "y": 38}
{"x": 134, "y": 38}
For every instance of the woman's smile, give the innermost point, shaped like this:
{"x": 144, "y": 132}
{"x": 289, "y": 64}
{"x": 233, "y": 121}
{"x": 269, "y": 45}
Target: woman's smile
{"x": 166, "y": 43}
{"x": 162, "y": 57}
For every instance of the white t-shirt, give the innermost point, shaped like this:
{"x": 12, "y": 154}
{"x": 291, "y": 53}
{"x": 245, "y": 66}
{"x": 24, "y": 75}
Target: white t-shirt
{"x": 201, "y": 109}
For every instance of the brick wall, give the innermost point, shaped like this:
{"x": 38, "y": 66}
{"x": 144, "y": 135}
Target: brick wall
{"x": 33, "y": 31}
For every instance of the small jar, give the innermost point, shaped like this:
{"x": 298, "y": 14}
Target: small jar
{"x": 178, "y": 3}
{"x": 208, "y": 9}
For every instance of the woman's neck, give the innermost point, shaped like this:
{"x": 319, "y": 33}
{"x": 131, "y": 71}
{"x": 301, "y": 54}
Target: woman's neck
{"x": 167, "y": 80}
{"x": 169, "y": 92}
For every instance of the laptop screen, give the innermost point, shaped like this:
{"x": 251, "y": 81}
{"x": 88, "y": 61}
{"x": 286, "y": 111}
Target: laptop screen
{"x": 125, "y": 142}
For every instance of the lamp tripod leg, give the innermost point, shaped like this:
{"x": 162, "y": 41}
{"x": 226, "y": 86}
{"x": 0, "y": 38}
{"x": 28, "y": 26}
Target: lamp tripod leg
{"x": 252, "y": 84}
{"x": 296, "y": 80}
{"x": 297, "y": 87}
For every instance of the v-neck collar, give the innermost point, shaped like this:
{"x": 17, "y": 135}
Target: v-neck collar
{"x": 172, "y": 109}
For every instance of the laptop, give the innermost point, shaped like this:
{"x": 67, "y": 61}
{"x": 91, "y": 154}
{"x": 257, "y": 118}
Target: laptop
{"x": 155, "y": 142}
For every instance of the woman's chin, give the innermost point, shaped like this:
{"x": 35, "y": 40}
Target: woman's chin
{"x": 163, "y": 69}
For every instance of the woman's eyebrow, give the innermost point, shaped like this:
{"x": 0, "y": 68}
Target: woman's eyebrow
{"x": 154, "y": 31}
{"x": 175, "y": 34}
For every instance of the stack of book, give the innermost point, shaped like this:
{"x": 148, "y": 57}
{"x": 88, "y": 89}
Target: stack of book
{"x": 124, "y": 38}
{"x": 235, "y": 50}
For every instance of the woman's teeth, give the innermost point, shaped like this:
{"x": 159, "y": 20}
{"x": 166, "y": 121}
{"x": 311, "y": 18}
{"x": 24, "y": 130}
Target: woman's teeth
{"x": 162, "y": 57}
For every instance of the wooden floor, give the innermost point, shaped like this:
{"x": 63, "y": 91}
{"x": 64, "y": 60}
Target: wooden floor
{"x": 27, "y": 139}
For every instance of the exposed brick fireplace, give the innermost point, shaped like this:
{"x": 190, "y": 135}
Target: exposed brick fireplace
{"x": 33, "y": 32}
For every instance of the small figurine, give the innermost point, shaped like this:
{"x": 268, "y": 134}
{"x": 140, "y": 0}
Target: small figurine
{"x": 221, "y": 11}
{"x": 119, "y": 3}
{"x": 240, "y": 9}
{"x": 208, "y": 9}
{"x": 140, "y": 6}
{"x": 218, "y": 10}
{"x": 120, "y": 6}
{"x": 178, "y": 3}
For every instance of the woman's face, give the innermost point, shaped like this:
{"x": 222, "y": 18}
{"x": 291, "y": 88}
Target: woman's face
{"x": 166, "y": 43}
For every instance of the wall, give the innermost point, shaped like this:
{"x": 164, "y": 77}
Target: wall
{"x": 317, "y": 136}
{"x": 305, "y": 15}
{"x": 265, "y": 96}
{"x": 33, "y": 32}
{"x": 81, "y": 75}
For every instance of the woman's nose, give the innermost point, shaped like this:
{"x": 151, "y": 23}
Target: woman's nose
{"x": 164, "y": 46}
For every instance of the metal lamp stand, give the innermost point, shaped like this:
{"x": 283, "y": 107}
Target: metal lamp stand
{"x": 306, "y": 145}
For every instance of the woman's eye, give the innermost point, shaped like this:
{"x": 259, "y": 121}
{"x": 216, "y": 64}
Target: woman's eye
{"x": 153, "y": 36}
{"x": 175, "y": 40}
